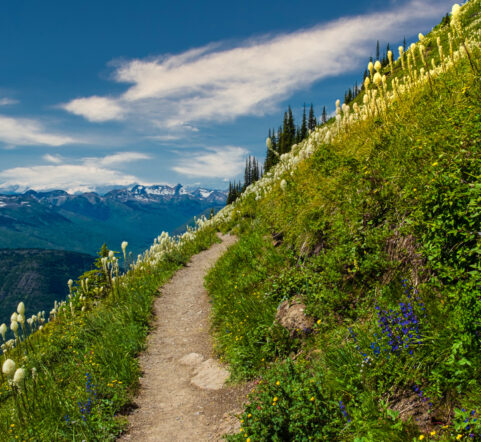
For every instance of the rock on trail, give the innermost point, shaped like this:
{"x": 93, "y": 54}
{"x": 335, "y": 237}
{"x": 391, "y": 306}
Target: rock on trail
{"x": 183, "y": 396}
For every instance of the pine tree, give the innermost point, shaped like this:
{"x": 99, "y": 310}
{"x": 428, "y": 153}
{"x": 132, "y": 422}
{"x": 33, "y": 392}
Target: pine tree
{"x": 378, "y": 52}
{"x": 312, "y": 123}
{"x": 303, "y": 131}
{"x": 324, "y": 115}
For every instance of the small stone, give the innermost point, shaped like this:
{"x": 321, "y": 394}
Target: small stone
{"x": 192, "y": 359}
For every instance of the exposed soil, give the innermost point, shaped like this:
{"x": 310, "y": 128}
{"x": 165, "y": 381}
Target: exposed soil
{"x": 182, "y": 394}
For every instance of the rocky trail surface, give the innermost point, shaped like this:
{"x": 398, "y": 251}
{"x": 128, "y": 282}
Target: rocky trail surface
{"x": 183, "y": 396}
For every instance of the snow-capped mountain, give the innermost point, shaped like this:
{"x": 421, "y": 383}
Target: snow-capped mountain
{"x": 83, "y": 222}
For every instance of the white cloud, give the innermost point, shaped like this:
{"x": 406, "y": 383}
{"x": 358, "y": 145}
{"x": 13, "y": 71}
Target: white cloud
{"x": 95, "y": 108}
{"x": 120, "y": 158}
{"x": 211, "y": 83}
{"x": 26, "y": 132}
{"x": 7, "y": 101}
{"x": 215, "y": 162}
{"x": 87, "y": 175}
{"x": 56, "y": 159}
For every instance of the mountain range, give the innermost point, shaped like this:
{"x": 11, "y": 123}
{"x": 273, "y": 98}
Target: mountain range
{"x": 83, "y": 222}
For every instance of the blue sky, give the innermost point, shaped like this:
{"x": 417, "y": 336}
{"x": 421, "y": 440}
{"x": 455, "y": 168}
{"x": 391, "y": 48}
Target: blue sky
{"x": 107, "y": 93}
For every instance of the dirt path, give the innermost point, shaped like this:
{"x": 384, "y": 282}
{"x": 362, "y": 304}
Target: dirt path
{"x": 182, "y": 396}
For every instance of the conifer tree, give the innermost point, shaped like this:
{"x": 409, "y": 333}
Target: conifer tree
{"x": 378, "y": 53}
{"x": 324, "y": 115}
{"x": 303, "y": 131}
{"x": 312, "y": 123}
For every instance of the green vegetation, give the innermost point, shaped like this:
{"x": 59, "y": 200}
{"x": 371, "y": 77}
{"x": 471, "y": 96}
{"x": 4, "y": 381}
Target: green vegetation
{"x": 374, "y": 222}
{"x": 79, "y": 371}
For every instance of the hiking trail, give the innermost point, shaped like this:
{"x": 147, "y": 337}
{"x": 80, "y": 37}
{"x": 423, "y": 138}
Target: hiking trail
{"x": 182, "y": 394}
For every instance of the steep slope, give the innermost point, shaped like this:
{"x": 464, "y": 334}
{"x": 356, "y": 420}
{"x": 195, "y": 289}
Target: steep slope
{"x": 371, "y": 227}
{"x": 37, "y": 277}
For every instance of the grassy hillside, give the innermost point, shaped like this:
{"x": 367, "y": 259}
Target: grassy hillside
{"x": 37, "y": 277}
{"x": 71, "y": 374}
{"x": 374, "y": 223}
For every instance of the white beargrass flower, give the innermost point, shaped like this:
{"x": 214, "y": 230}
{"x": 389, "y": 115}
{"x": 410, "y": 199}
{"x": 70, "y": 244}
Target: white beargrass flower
{"x": 21, "y": 308}
{"x": 111, "y": 254}
{"x": 456, "y": 9}
{"x": 124, "y": 245}
{"x": 377, "y": 79}
{"x": 421, "y": 37}
{"x": 21, "y": 319}
{"x": 19, "y": 376}
{"x": 370, "y": 67}
{"x": 14, "y": 326}
{"x": 283, "y": 185}
{"x": 8, "y": 368}
{"x": 13, "y": 317}
{"x": 377, "y": 66}
{"x": 3, "y": 330}
{"x": 268, "y": 143}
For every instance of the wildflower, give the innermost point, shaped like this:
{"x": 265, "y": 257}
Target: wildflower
{"x": 111, "y": 254}
{"x": 283, "y": 185}
{"x": 8, "y": 368}
{"x": 456, "y": 9}
{"x": 21, "y": 308}
{"x": 13, "y": 317}
{"x": 14, "y": 326}
{"x": 19, "y": 376}
{"x": 421, "y": 437}
{"x": 459, "y": 436}
{"x": 389, "y": 56}
{"x": 278, "y": 383}
{"x": 21, "y": 319}
{"x": 124, "y": 245}
{"x": 421, "y": 37}
{"x": 377, "y": 79}
{"x": 377, "y": 66}
{"x": 434, "y": 164}
{"x": 269, "y": 143}
{"x": 312, "y": 398}
{"x": 370, "y": 66}
{"x": 432, "y": 433}
{"x": 3, "y": 330}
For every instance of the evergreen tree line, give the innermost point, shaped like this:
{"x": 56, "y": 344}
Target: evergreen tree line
{"x": 289, "y": 134}
{"x": 252, "y": 173}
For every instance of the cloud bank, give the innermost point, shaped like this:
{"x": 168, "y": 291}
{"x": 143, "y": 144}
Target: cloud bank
{"x": 26, "y": 132}
{"x": 213, "y": 83}
{"x": 86, "y": 175}
{"x": 214, "y": 162}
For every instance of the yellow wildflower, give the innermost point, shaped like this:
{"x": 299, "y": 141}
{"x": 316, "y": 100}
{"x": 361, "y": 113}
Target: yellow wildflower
{"x": 278, "y": 383}
{"x": 421, "y": 437}
{"x": 459, "y": 436}
{"x": 433, "y": 433}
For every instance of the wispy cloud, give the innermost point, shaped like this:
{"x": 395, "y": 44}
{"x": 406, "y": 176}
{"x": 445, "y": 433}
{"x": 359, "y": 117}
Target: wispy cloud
{"x": 26, "y": 132}
{"x": 7, "y": 101}
{"x": 215, "y": 162}
{"x": 218, "y": 83}
{"x": 56, "y": 159}
{"x": 85, "y": 175}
